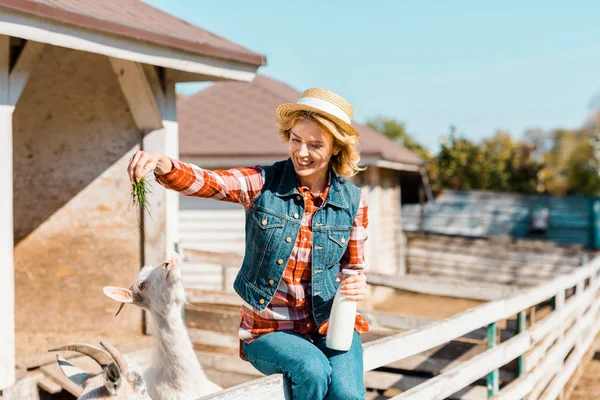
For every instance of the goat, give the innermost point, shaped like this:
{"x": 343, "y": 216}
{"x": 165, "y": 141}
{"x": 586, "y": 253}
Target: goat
{"x": 176, "y": 372}
{"x": 116, "y": 381}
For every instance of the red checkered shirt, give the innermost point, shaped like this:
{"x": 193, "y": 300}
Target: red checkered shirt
{"x": 290, "y": 309}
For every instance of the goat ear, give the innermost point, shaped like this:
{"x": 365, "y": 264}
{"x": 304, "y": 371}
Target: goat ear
{"x": 74, "y": 374}
{"x": 119, "y": 294}
{"x": 175, "y": 257}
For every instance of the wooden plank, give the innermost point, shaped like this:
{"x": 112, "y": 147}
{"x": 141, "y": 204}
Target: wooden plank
{"x": 409, "y": 343}
{"x": 558, "y": 383}
{"x": 138, "y": 93}
{"x": 7, "y": 290}
{"x": 269, "y": 387}
{"x": 505, "y": 279}
{"x": 50, "y": 386}
{"x": 468, "y": 372}
{"x": 22, "y": 70}
{"x": 441, "y": 286}
{"x": 202, "y": 336}
{"x": 481, "y": 270}
{"x": 524, "y": 385}
{"x": 489, "y": 261}
{"x": 394, "y": 383}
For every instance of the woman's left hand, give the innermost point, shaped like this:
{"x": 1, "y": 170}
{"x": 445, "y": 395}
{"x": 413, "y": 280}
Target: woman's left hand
{"x": 354, "y": 287}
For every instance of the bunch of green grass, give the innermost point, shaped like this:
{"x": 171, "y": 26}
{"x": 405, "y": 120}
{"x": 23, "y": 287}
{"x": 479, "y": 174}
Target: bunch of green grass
{"x": 139, "y": 197}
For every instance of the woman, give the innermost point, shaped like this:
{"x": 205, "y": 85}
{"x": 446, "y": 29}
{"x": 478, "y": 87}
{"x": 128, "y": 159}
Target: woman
{"x": 304, "y": 223}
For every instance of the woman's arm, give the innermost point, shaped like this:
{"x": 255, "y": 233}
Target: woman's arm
{"x": 355, "y": 287}
{"x": 238, "y": 185}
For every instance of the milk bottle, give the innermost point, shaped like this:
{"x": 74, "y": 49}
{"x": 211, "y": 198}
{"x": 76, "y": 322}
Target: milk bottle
{"x": 342, "y": 318}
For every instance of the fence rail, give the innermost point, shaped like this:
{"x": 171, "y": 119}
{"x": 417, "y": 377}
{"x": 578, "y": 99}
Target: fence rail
{"x": 549, "y": 351}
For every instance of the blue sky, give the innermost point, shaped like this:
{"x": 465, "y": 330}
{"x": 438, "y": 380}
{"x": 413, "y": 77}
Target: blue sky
{"x": 478, "y": 65}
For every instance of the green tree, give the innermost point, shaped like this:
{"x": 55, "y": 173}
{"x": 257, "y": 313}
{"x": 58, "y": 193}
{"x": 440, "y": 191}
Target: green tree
{"x": 396, "y": 131}
{"x": 459, "y": 163}
{"x": 571, "y": 164}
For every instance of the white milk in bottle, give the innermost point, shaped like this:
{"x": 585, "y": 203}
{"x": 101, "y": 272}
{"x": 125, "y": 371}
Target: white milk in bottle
{"x": 342, "y": 318}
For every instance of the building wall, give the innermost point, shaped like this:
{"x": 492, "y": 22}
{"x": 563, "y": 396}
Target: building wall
{"x": 74, "y": 230}
{"x": 389, "y": 232}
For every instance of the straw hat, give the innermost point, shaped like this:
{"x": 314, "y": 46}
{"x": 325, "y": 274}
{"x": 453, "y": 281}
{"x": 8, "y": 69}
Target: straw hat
{"x": 325, "y": 103}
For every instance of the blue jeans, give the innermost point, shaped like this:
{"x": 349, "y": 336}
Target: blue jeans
{"x": 314, "y": 371}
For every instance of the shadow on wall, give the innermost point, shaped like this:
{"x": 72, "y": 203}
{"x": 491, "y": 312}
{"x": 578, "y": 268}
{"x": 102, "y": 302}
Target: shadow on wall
{"x": 71, "y": 124}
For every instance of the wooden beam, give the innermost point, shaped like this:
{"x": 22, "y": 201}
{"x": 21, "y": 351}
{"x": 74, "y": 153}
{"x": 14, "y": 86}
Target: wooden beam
{"x": 169, "y": 116}
{"x": 441, "y": 286}
{"x": 22, "y": 70}
{"x": 138, "y": 93}
{"x": 7, "y": 290}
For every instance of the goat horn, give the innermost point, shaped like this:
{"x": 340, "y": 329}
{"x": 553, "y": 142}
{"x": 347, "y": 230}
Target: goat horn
{"x": 117, "y": 356}
{"x": 100, "y": 356}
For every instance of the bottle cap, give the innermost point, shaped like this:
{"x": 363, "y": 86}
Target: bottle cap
{"x": 346, "y": 271}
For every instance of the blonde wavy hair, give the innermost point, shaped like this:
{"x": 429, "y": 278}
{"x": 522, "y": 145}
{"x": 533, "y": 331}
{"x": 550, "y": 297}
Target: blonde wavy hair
{"x": 346, "y": 150}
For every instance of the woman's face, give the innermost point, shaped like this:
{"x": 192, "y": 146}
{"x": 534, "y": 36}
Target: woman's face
{"x": 311, "y": 149}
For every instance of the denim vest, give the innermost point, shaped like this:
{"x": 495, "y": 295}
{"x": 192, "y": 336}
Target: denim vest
{"x": 272, "y": 225}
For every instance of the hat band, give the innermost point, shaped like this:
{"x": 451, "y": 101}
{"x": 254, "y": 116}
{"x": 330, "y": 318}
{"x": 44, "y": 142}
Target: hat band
{"x": 326, "y": 106}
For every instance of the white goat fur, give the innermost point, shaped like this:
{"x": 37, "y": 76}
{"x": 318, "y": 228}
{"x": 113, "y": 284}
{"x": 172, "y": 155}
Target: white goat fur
{"x": 176, "y": 372}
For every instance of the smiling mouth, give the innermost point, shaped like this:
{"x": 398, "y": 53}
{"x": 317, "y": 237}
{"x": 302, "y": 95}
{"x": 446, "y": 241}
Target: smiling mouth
{"x": 303, "y": 164}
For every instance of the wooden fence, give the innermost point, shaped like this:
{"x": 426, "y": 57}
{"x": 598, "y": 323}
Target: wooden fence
{"x": 548, "y": 351}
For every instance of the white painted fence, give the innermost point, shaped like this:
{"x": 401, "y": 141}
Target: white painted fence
{"x": 551, "y": 348}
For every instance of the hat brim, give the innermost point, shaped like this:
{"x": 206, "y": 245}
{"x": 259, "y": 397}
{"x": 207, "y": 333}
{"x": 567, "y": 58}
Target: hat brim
{"x": 285, "y": 110}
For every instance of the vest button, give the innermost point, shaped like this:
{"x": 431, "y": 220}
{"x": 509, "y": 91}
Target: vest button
{"x": 298, "y": 198}
{"x": 264, "y": 221}
{"x": 262, "y": 301}
{"x": 343, "y": 240}
{"x": 296, "y": 215}
{"x": 271, "y": 281}
{"x": 288, "y": 239}
{"x": 280, "y": 261}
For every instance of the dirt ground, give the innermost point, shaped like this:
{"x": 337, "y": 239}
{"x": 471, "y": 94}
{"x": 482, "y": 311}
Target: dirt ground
{"x": 423, "y": 305}
{"x": 588, "y": 387}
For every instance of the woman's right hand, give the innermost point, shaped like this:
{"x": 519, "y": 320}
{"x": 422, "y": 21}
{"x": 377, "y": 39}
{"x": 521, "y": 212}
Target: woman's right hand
{"x": 144, "y": 162}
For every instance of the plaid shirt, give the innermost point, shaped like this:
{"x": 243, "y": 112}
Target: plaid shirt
{"x": 291, "y": 307}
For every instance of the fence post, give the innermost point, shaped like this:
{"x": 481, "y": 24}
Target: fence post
{"x": 521, "y": 321}
{"x": 493, "y": 377}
